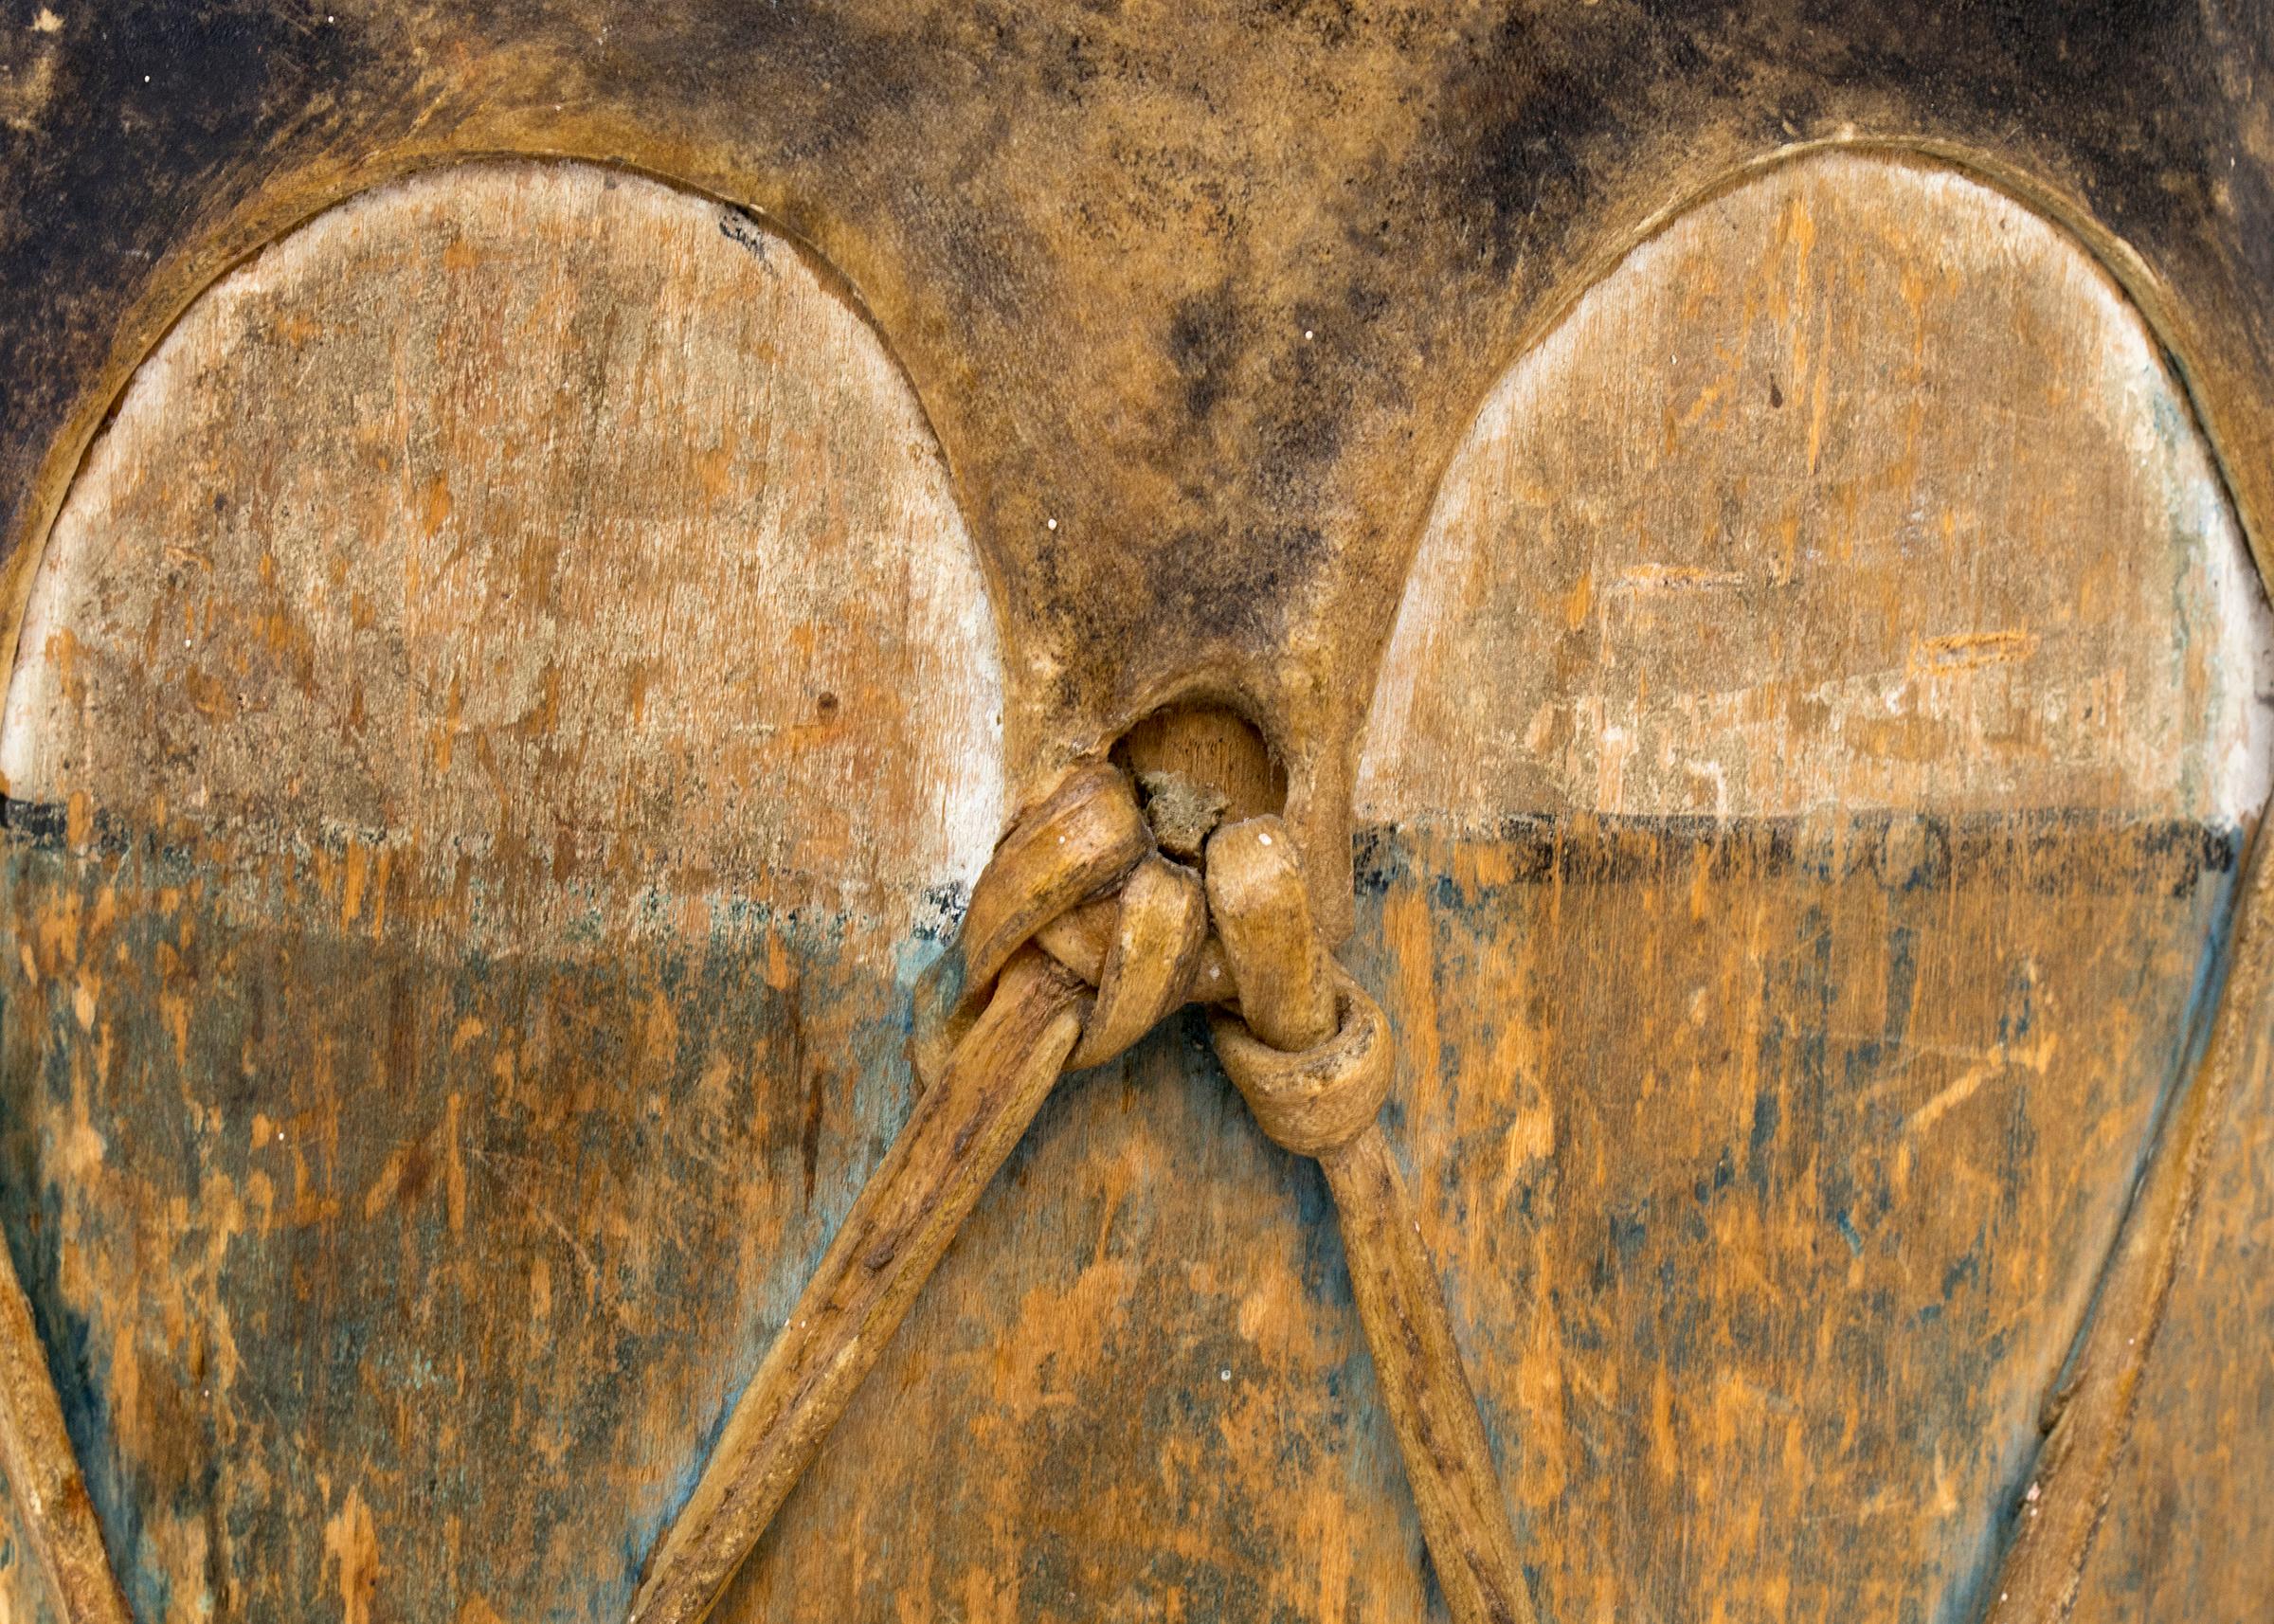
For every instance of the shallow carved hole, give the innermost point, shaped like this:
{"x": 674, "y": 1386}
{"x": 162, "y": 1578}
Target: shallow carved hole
{"x": 1199, "y": 765}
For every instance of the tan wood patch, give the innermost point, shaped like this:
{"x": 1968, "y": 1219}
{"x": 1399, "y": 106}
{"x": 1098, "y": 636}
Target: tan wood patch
{"x": 539, "y": 548}
{"x": 1860, "y": 485}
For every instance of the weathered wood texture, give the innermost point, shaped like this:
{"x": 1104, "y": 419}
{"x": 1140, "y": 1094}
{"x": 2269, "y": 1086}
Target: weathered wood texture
{"x": 2088, "y": 1418}
{"x": 558, "y": 540}
{"x": 1860, "y": 487}
{"x": 51, "y": 1548}
{"x": 27, "y": 1594}
{"x": 509, "y": 709}
{"x": 2190, "y": 1510}
{"x": 1215, "y": 287}
{"x": 1019, "y": 1021}
{"x": 1836, "y": 636}
{"x": 410, "y": 1146}
{"x": 955, "y": 1141}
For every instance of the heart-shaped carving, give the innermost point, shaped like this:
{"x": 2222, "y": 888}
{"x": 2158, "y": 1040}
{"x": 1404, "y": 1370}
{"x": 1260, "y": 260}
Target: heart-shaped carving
{"x": 1804, "y": 787}
{"x": 504, "y": 717}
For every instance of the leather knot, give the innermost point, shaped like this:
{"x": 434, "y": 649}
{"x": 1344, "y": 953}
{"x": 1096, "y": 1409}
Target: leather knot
{"x": 1079, "y": 875}
{"x": 1160, "y": 923}
{"x": 1313, "y": 1101}
{"x": 1080, "y": 937}
{"x": 1309, "y": 1050}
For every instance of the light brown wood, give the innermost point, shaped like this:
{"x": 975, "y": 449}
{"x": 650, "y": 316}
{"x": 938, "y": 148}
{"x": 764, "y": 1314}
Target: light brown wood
{"x": 1080, "y": 841}
{"x": 1278, "y": 964}
{"x": 1316, "y": 1100}
{"x": 1322, "y": 1101}
{"x": 888, "y": 1246}
{"x": 1000, "y": 1062}
{"x": 1425, "y": 1386}
{"x": 2185, "y": 1508}
{"x": 535, "y": 591}
{"x": 555, "y": 552}
{"x": 1080, "y": 938}
{"x": 1160, "y": 923}
{"x": 1210, "y": 745}
{"x": 1859, "y": 487}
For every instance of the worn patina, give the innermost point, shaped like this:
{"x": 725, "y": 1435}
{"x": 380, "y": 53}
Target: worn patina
{"x": 431, "y": 1066}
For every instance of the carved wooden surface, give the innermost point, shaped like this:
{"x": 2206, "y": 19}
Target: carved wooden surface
{"x": 1835, "y": 638}
{"x": 2191, "y": 1509}
{"x": 1215, "y": 290}
{"x": 1858, "y": 488}
{"x": 511, "y": 707}
{"x": 443, "y": 1036}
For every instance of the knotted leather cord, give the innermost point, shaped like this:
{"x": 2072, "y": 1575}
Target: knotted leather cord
{"x": 1311, "y": 1053}
{"x": 1079, "y": 938}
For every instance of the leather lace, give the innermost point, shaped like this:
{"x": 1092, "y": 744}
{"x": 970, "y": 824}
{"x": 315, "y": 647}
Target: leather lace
{"x": 1080, "y": 938}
